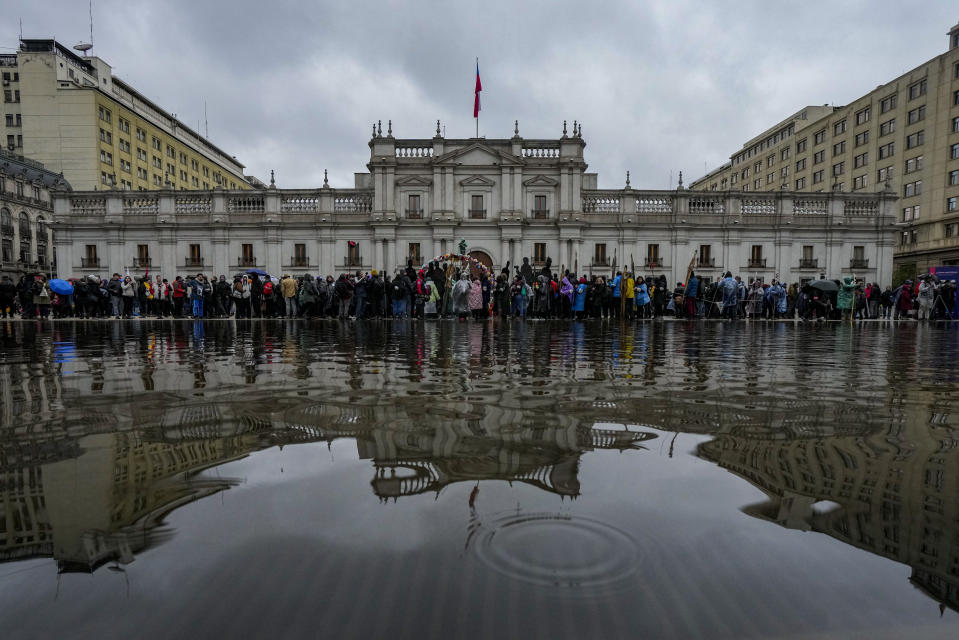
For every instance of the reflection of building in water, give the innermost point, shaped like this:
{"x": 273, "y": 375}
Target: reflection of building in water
{"x": 896, "y": 492}
{"x": 108, "y": 502}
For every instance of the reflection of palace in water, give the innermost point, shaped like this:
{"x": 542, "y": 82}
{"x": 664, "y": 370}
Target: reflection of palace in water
{"x": 893, "y": 493}
{"x": 97, "y": 488}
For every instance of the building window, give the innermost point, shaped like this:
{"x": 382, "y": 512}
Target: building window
{"x": 770, "y": 160}
{"x": 246, "y": 255}
{"x": 955, "y": 98}
{"x": 954, "y": 151}
{"x": 910, "y": 213}
{"x": 800, "y": 184}
{"x": 413, "y": 209}
{"x": 539, "y": 252}
{"x": 195, "y": 259}
{"x": 757, "y": 168}
{"x": 818, "y": 157}
{"x": 143, "y": 255}
{"x": 917, "y": 114}
{"x": 887, "y": 103}
{"x": 839, "y": 128}
{"x": 954, "y": 177}
{"x": 839, "y": 168}
{"x": 912, "y": 189}
{"x": 599, "y": 253}
{"x": 476, "y": 207}
{"x": 838, "y": 148}
{"x": 770, "y": 178}
{"x": 819, "y": 137}
{"x": 800, "y": 164}
{"x": 862, "y": 138}
{"x": 818, "y": 176}
{"x": 756, "y": 256}
{"x": 887, "y": 150}
{"x": 952, "y": 204}
{"x": 917, "y": 89}
{"x": 887, "y": 127}
{"x": 859, "y": 182}
{"x": 539, "y": 205}
{"x": 862, "y": 116}
{"x": 914, "y": 164}
{"x": 414, "y": 253}
{"x": 861, "y": 160}
{"x": 705, "y": 255}
{"x": 104, "y": 114}
{"x": 757, "y": 184}
{"x": 950, "y": 229}
{"x": 801, "y": 146}
{"x": 915, "y": 139}
{"x": 784, "y": 154}
{"x": 884, "y": 174}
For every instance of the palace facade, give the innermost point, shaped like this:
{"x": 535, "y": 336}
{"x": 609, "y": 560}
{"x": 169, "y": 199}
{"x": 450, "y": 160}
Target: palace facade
{"x": 508, "y": 198}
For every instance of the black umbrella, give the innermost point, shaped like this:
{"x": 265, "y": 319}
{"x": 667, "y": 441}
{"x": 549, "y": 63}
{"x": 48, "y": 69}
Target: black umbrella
{"x": 930, "y": 276}
{"x": 825, "y": 286}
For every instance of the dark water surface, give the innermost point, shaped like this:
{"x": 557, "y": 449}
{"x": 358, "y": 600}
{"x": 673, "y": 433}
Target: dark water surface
{"x": 537, "y": 480}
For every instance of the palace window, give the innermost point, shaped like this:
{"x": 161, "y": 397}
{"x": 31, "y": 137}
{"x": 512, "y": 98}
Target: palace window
{"x": 476, "y": 207}
{"x": 539, "y": 252}
{"x": 299, "y": 255}
{"x": 143, "y": 255}
{"x": 414, "y": 253}
{"x": 599, "y": 253}
{"x": 414, "y": 210}
{"x": 539, "y": 206}
{"x": 353, "y": 253}
{"x": 652, "y": 255}
{"x": 246, "y": 254}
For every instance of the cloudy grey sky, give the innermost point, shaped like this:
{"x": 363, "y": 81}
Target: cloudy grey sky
{"x": 659, "y": 86}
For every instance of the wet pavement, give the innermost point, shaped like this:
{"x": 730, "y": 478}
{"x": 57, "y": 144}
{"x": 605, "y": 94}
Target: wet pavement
{"x": 542, "y": 479}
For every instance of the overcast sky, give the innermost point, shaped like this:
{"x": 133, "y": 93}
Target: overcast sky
{"x": 659, "y": 87}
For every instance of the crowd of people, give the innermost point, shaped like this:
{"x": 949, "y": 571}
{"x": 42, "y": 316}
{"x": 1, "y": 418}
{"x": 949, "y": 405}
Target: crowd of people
{"x": 470, "y": 291}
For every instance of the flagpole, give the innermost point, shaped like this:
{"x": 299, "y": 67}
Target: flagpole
{"x": 477, "y": 111}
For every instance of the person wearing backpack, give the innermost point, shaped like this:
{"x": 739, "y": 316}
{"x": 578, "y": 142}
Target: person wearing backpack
{"x": 344, "y": 293}
{"x": 400, "y": 295}
{"x": 266, "y": 297}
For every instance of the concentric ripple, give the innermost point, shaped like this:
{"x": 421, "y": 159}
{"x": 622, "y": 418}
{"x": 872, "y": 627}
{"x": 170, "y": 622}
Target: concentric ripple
{"x": 556, "y": 550}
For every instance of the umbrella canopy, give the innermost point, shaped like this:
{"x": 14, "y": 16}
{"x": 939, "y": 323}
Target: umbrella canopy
{"x": 929, "y": 276}
{"x": 61, "y": 287}
{"x": 259, "y": 272}
{"x": 826, "y": 286}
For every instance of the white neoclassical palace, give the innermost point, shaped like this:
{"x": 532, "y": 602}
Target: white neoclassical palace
{"x": 507, "y": 198}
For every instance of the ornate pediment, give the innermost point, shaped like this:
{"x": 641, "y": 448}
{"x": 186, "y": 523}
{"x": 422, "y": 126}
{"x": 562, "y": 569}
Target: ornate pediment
{"x": 414, "y": 181}
{"x": 478, "y": 154}
{"x": 540, "y": 181}
{"x": 477, "y": 181}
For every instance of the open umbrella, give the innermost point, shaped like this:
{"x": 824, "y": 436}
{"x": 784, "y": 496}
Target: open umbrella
{"x": 259, "y": 272}
{"x": 929, "y": 276}
{"x": 61, "y": 287}
{"x": 825, "y": 286}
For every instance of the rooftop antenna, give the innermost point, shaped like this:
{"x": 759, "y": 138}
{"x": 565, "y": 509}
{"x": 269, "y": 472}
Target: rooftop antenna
{"x": 80, "y": 46}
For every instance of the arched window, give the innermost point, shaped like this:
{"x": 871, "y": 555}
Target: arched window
{"x": 25, "y": 231}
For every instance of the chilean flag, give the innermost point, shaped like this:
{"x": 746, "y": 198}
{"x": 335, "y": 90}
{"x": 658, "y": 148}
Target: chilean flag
{"x": 479, "y": 87}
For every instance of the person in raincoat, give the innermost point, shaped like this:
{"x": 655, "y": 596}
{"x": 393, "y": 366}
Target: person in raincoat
{"x": 566, "y": 296}
{"x": 641, "y": 298}
{"x": 924, "y": 300}
{"x": 844, "y": 298}
{"x": 476, "y": 299}
{"x": 903, "y": 300}
{"x": 730, "y": 291}
{"x": 754, "y": 300}
{"x": 461, "y": 297}
{"x": 579, "y": 299}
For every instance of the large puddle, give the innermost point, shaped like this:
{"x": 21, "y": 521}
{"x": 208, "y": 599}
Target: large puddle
{"x": 542, "y": 479}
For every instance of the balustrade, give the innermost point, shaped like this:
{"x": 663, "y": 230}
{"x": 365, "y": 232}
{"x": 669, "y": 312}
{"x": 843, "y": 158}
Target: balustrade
{"x": 360, "y": 202}
{"x": 654, "y": 204}
{"x": 541, "y": 151}
{"x": 757, "y": 263}
{"x": 246, "y": 261}
{"x": 808, "y": 263}
{"x": 861, "y": 207}
{"x": 415, "y": 151}
{"x": 477, "y": 214}
{"x": 89, "y": 263}
{"x": 539, "y": 214}
{"x": 859, "y": 263}
{"x": 299, "y": 204}
{"x": 759, "y": 207}
{"x": 143, "y": 206}
{"x": 245, "y": 204}
{"x": 88, "y": 206}
{"x": 192, "y": 204}
{"x": 707, "y": 205}
{"x": 811, "y": 206}
{"x": 414, "y": 214}
{"x": 601, "y": 203}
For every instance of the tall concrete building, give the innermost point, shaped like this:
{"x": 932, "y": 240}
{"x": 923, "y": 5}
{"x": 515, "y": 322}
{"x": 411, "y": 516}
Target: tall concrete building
{"x": 904, "y": 133}
{"x": 71, "y": 114}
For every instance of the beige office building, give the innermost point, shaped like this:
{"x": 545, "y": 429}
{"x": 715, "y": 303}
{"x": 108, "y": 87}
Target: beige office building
{"x": 904, "y": 133}
{"x": 71, "y": 114}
